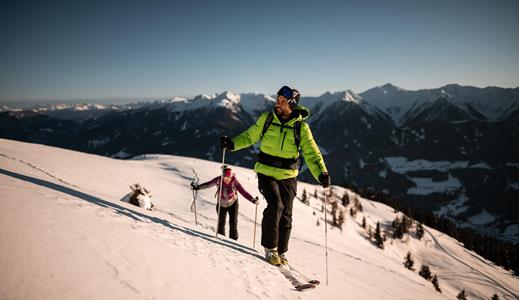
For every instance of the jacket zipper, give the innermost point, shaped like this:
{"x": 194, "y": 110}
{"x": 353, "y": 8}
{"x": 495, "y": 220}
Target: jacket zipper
{"x": 283, "y": 142}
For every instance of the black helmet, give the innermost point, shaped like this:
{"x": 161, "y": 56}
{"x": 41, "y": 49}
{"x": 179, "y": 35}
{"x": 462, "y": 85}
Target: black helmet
{"x": 292, "y": 95}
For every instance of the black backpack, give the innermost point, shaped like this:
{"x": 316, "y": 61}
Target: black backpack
{"x": 297, "y": 129}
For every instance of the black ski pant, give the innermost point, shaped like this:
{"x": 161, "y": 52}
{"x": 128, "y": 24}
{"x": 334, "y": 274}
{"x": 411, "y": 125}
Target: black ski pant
{"x": 277, "y": 217}
{"x": 233, "y": 220}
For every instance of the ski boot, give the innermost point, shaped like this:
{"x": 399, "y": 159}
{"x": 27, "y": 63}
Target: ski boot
{"x": 272, "y": 256}
{"x": 283, "y": 259}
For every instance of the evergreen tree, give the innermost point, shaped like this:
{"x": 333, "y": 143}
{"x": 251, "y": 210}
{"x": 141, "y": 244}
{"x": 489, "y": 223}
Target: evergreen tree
{"x": 396, "y": 222}
{"x": 341, "y": 218}
{"x": 419, "y": 231}
{"x": 353, "y": 212}
{"x": 409, "y": 262}
{"x": 462, "y": 295}
{"x": 304, "y": 198}
{"x": 335, "y": 220}
{"x": 405, "y": 224}
{"x": 425, "y": 272}
{"x": 378, "y": 237}
{"x": 495, "y": 297}
{"x": 315, "y": 194}
{"x": 436, "y": 284}
{"x": 364, "y": 222}
{"x": 359, "y": 206}
{"x": 345, "y": 199}
{"x": 398, "y": 234}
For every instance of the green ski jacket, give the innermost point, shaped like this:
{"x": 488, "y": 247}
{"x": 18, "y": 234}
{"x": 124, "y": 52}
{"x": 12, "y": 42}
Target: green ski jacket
{"x": 278, "y": 150}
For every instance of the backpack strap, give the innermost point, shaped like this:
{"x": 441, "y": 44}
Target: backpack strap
{"x": 297, "y": 133}
{"x": 297, "y": 129}
{"x": 266, "y": 125}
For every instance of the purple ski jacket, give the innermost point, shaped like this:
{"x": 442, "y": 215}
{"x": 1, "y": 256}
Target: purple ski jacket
{"x": 228, "y": 193}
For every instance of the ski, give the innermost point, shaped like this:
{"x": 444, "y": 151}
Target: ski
{"x": 305, "y": 286}
{"x": 298, "y": 285}
{"x": 292, "y": 275}
{"x": 306, "y": 278}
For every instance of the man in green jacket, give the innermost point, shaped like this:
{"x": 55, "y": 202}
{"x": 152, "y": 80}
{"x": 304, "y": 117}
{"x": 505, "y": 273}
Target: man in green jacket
{"x": 282, "y": 133}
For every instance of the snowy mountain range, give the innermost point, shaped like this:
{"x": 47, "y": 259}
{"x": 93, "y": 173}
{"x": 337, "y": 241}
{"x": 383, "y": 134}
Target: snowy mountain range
{"x": 66, "y": 234}
{"x": 491, "y": 102}
{"x": 451, "y": 150}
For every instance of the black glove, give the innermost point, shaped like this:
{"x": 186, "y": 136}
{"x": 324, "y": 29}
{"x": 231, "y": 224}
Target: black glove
{"x": 194, "y": 186}
{"x": 226, "y": 143}
{"x": 325, "y": 180}
{"x": 255, "y": 200}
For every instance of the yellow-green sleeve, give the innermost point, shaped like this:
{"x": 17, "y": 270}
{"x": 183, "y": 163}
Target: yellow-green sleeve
{"x": 311, "y": 153}
{"x": 250, "y": 136}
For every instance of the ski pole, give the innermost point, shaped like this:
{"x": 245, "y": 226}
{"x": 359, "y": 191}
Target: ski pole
{"x": 255, "y": 218}
{"x": 220, "y": 193}
{"x": 326, "y": 235}
{"x": 195, "y": 195}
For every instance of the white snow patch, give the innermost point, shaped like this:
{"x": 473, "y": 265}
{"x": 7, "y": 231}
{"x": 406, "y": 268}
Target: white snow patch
{"x": 512, "y": 186}
{"x": 482, "y": 218}
{"x": 97, "y": 143}
{"x": 121, "y": 154}
{"x": 361, "y": 163}
{"x": 511, "y": 230}
{"x": 402, "y": 165}
{"x": 426, "y": 186}
{"x": 480, "y": 165}
{"x": 454, "y": 207}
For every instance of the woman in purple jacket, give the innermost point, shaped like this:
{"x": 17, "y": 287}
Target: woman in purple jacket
{"x": 228, "y": 200}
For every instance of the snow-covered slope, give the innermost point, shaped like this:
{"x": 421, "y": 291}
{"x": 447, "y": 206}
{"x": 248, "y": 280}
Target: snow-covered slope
{"x": 66, "y": 235}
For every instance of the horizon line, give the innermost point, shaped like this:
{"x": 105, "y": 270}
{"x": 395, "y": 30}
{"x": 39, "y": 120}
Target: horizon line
{"x": 165, "y": 97}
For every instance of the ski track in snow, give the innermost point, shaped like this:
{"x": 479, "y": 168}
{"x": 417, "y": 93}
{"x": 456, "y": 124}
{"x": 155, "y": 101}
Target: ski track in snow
{"x": 473, "y": 270}
{"x": 38, "y": 169}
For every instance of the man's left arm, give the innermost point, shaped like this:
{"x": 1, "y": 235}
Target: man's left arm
{"x": 311, "y": 153}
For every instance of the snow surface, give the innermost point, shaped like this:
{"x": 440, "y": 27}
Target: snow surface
{"x": 426, "y": 186}
{"x": 455, "y": 207}
{"x": 402, "y": 165}
{"x": 482, "y": 218}
{"x": 66, "y": 235}
{"x": 512, "y": 230}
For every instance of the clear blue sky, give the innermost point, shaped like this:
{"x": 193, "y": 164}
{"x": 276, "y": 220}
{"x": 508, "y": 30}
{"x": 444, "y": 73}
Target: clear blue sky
{"x": 117, "y": 49}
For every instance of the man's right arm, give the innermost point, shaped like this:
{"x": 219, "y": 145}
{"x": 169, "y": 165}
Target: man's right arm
{"x": 250, "y": 136}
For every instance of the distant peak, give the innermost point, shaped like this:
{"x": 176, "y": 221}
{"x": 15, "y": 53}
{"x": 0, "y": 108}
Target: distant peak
{"x": 228, "y": 95}
{"x": 390, "y": 87}
{"x": 349, "y": 95}
{"x": 178, "y": 99}
{"x": 202, "y": 97}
